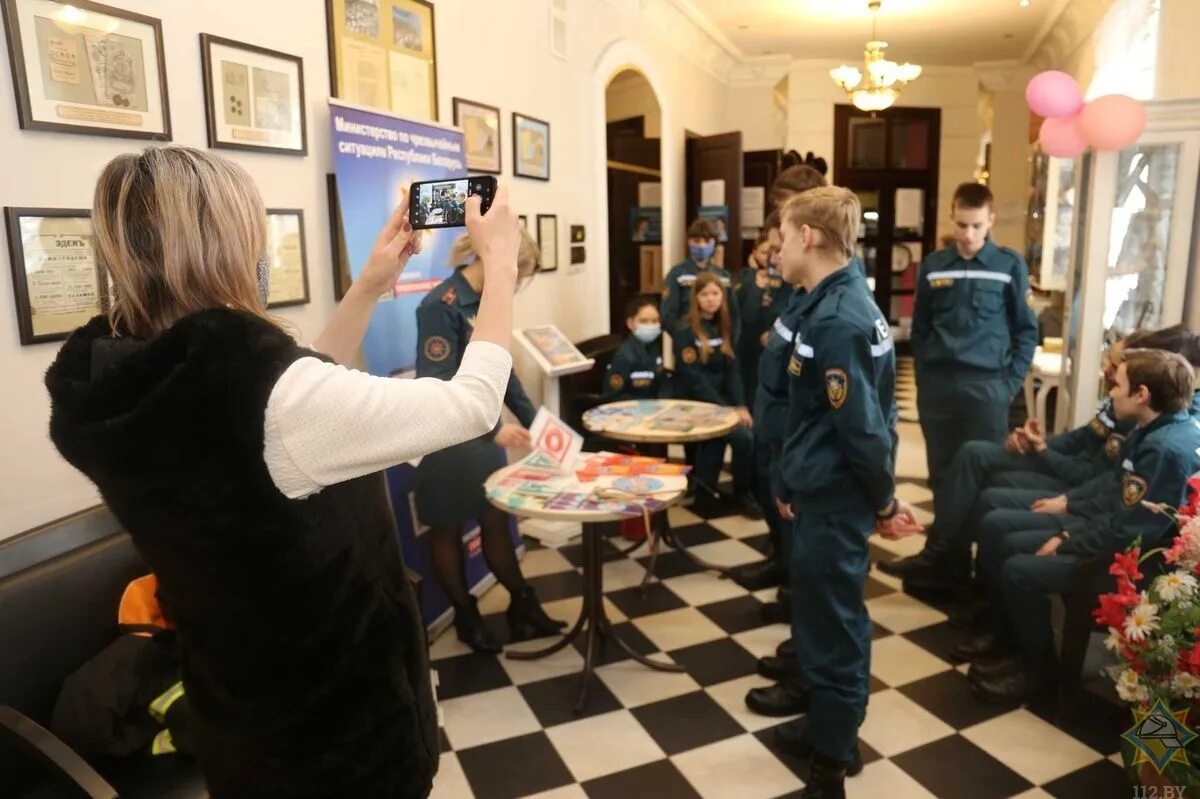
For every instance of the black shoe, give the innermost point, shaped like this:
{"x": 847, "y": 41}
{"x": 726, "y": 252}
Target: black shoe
{"x": 981, "y": 646}
{"x": 748, "y": 506}
{"x": 994, "y": 668}
{"x": 923, "y": 562}
{"x": 758, "y": 575}
{"x": 781, "y": 699}
{"x": 827, "y": 780}
{"x": 777, "y": 613}
{"x": 1021, "y": 686}
{"x": 779, "y": 669}
{"x": 527, "y": 620}
{"x": 792, "y": 739}
{"x": 787, "y": 649}
{"x": 468, "y": 624}
{"x": 970, "y": 615}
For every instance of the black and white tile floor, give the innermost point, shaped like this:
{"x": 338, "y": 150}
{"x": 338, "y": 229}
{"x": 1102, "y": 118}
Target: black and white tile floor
{"x": 509, "y": 730}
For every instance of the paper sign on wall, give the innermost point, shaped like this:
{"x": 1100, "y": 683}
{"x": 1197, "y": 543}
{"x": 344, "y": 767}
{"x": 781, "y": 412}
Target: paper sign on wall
{"x": 555, "y": 440}
{"x": 754, "y": 201}
{"x": 712, "y": 192}
{"x": 650, "y": 195}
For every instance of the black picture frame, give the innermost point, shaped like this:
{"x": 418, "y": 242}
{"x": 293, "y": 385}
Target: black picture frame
{"x": 299, "y": 214}
{"x": 547, "y": 266}
{"x": 207, "y": 40}
{"x": 17, "y": 61}
{"x": 517, "y": 118}
{"x": 473, "y": 167}
{"x": 16, "y": 259}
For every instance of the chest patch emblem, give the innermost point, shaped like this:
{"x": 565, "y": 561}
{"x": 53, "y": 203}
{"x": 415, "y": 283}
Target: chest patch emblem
{"x": 616, "y": 381}
{"x": 837, "y": 387}
{"x": 437, "y": 349}
{"x": 690, "y": 355}
{"x": 942, "y": 283}
{"x": 1112, "y": 447}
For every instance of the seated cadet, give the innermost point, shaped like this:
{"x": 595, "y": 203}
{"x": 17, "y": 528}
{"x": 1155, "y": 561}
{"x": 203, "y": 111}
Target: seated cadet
{"x": 761, "y": 295}
{"x": 636, "y": 369}
{"x": 837, "y": 466}
{"x": 1025, "y": 556}
{"x": 449, "y": 490}
{"x": 702, "y": 244}
{"x": 706, "y": 371}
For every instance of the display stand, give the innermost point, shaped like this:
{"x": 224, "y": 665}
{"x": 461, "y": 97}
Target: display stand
{"x": 555, "y": 356}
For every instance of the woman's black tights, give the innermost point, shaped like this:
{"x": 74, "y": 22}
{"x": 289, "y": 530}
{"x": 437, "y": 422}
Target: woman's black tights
{"x": 449, "y": 563}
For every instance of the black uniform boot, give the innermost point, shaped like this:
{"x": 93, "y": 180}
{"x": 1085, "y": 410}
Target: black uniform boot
{"x": 978, "y": 647}
{"x": 469, "y": 626}
{"x": 759, "y": 575}
{"x": 791, "y": 737}
{"x": 787, "y": 649}
{"x": 774, "y": 667}
{"x": 527, "y": 620}
{"x": 786, "y": 698}
{"x": 827, "y": 780}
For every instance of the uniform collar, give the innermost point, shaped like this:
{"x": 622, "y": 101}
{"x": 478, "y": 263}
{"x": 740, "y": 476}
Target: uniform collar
{"x": 989, "y": 256}
{"x": 1195, "y": 409}
{"x": 1165, "y": 419}
{"x": 467, "y": 295}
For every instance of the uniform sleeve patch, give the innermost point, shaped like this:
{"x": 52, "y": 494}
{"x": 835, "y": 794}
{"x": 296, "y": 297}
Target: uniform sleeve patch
{"x": 616, "y": 382}
{"x": 437, "y": 349}
{"x": 837, "y": 387}
{"x": 1112, "y": 447}
{"x": 1133, "y": 489}
{"x": 690, "y": 355}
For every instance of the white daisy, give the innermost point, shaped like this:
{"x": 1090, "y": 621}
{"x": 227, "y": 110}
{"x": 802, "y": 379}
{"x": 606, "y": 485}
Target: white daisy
{"x": 1186, "y": 684}
{"x": 1130, "y": 687}
{"x": 1141, "y": 621}
{"x": 1113, "y": 641}
{"x": 1175, "y": 585}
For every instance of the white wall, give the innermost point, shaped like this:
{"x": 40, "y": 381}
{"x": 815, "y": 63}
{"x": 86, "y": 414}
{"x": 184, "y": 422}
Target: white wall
{"x": 634, "y": 98}
{"x": 955, "y": 90}
{"x": 515, "y": 71}
{"x": 752, "y": 110}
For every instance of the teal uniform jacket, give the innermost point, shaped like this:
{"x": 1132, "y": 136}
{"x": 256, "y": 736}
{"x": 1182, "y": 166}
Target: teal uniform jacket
{"x": 840, "y": 436}
{"x": 1084, "y": 453}
{"x": 974, "y": 315}
{"x": 677, "y": 302}
{"x": 1161, "y": 457}
{"x": 716, "y": 380}
{"x": 759, "y": 307}
{"x": 636, "y": 372}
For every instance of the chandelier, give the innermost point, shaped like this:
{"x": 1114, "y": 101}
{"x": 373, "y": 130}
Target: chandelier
{"x": 877, "y": 85}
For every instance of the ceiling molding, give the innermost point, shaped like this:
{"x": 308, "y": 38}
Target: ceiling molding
{"x": 764, "y": 70}
{"x": 1077, "y": 22}
{"x": 1047, "y": 25}
{"x": 701, "y": 21}
{"x": 999, "y": 76}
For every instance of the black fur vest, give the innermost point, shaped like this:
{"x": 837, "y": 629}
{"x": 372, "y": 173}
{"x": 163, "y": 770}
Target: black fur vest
{"x": 303, "y": 653}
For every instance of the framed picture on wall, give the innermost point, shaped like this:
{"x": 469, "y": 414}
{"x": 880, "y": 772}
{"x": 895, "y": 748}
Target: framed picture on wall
{"x": 481, "y": 126}
{"x": 383, "y": 54}
{"x": 547, "y": 238}
{"x": 524, "y": 220}
{"x": 531, "y": 147}
{"x": 82, "y": 67}
{"x": 56, "y": 279}
{"x": 253, "y": 97}
{"x": 288, "y": 283}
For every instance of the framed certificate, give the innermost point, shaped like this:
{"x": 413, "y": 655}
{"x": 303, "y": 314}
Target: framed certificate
{"x": 531, "y": 147}
{"x": 547, "y": 238}
{"x": 253, "y": 97}
{"x": 383, "y": 54}
{"x": 481, "y": 129}
{"x": 56, "y": 279}
{"x": 82, "y": 67}
{"x": 288, "y": 284}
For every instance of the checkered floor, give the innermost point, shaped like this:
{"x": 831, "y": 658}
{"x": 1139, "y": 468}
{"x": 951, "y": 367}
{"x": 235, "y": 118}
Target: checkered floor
{"x": 509, "y": 730}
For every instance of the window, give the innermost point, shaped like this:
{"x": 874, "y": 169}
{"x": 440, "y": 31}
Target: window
{"x": 1127, "y": 50}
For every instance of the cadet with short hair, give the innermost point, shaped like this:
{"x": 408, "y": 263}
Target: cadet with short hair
{"x": 702, "y": 244}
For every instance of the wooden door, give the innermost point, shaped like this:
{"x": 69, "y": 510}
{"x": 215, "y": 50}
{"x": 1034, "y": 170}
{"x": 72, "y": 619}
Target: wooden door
{"x": 718, "y": 158}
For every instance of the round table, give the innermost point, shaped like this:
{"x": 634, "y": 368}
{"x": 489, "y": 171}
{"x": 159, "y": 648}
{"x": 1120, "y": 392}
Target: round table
{"x": 593, "y": 620}
{"x": 639, "y": 426}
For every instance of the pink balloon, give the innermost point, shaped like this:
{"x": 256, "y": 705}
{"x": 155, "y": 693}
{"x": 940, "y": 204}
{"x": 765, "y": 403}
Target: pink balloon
{"x": 1061, "y": 137}
{"x": 1053, "y": 95}
{"x": 1112, "y": 122}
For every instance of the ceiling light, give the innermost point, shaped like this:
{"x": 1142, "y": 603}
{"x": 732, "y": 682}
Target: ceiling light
{"x": 877, "y": 85}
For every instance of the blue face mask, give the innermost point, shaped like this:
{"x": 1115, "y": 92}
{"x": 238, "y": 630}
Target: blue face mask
{"x": 263, "y": 273}
{"x": 647, "y": 333}
{"x": 702, "y": 252}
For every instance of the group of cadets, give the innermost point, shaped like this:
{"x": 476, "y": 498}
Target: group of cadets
{"x": 802, "y": 352}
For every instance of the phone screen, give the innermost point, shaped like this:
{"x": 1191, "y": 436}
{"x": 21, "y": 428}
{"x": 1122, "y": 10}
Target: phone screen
{"x": 443, "y": 203}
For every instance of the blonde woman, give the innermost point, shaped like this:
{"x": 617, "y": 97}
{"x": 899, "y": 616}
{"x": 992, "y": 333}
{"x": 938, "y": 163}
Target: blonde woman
{"x": 450, "y": 483}
{"x": 246, "y": 468}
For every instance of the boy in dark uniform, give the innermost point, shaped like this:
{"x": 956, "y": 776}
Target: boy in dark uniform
{"x": 762, "y": 296}
{"x": 702, "y": 244}
{"x": 973, "y": 338}
{"x": 1022, "y": 569}
{"x": 636, "y": 369}
{"x": 837, "y": 467}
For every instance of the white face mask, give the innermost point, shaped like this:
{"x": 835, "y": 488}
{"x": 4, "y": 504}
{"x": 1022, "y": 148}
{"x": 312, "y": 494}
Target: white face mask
{"x": 647, "y": 333}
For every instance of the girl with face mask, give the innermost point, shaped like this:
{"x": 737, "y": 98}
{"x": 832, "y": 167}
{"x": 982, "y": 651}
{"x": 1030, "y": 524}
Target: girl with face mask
{"x": 702, "y": 245}
{"x": 636, "y": 370}
{"x": 707, "y": 371}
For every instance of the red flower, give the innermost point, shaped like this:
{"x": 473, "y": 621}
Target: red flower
{"x": 1190, "y": 661}
{"x": 1125, "y": 564}
{"x": 1191, "y": 502}
{"x": 1111, "y": 612}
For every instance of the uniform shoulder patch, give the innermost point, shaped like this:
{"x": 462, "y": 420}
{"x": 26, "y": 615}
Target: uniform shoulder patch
{"x": 616, "y": 382}
{"x": 690, "y": 355}
{"x": 1097, "y": 427}
{"x": 451, "y": 296}
{"x": 437, "y": 349}
{"x": 1133, "y": 489}
{"x": 837, "y": 387}
{"x": 1112, "y": 447}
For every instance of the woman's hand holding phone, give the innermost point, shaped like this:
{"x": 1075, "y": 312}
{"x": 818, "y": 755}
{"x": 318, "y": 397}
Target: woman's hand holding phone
{"x": 496, "y": 237}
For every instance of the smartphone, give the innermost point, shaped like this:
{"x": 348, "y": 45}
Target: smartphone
{"x": 443, "y": 203}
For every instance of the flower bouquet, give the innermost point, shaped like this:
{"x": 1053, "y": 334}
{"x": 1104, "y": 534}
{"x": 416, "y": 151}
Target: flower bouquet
{"x": 1155, "y": 632}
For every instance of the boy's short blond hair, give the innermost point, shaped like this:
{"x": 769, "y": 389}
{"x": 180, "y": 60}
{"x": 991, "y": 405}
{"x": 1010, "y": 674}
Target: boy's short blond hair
{"x": 832, "y": 211}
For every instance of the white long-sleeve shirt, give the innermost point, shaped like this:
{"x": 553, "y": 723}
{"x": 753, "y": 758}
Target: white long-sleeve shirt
{"x": 326, "y": 424}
